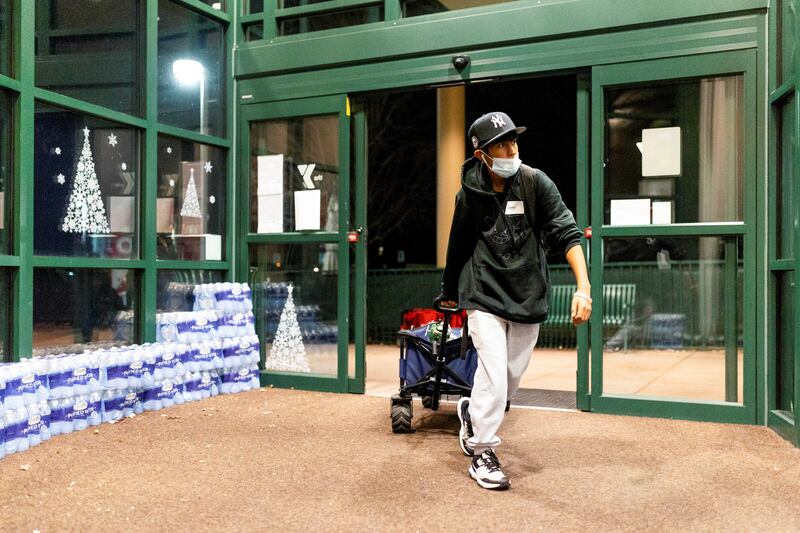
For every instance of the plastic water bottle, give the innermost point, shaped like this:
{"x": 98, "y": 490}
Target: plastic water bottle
{"x": 16, "y": 423}
{"x": 203, "y": 298}
{"x": 2, "y": 431}
{"x": 55, "y": 423}
{"x": 80, "y": 419}
{"x": 94, "y": 412}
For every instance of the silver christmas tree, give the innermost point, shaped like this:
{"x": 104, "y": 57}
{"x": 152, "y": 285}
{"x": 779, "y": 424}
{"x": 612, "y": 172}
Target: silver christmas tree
{"x": 191, "y": 204}
{"x": 288, "y": 353}
{"x": 85, "y": 210}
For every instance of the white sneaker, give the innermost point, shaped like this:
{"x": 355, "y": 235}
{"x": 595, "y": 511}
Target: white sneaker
{"x": 485, "y": 469}
{"x": 465, "y": 431}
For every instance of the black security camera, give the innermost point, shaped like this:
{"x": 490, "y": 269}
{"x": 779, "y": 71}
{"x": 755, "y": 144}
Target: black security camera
{"x": 460, "y": 61}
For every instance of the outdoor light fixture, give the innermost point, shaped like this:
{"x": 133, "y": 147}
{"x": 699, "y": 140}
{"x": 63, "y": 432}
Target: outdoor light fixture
{"x": 460, "y": 61}
{"x": 189, "y": 72}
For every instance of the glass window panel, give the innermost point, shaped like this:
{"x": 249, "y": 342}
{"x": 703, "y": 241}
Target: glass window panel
{"x": 6, "y": 40}
{"x": 413, "y": 8}
{"x": 784, "y": 350}
{"x": 253, "y": 6}
{"x": 6, "y": 170}
{"x": 175, "y": 287}
{"x": 672, "y": 315}
{"x": 294, "y": 174}
{"x": 191, "y": 61}
{"x": 328, "y": 20}
{"x": 86, "y": 185}
{"x": 787, "y": 212}
{"x": 254, "y": 32}
{"x": 83, "y": 309}
{"x": 91, "y": 50}
{"x": 191, "y": 200}
{"x": 306, "y": 275}
{"x": 6, "y": 275}
{"x": 294, "y": 166}
{"x": 677, "y": 148}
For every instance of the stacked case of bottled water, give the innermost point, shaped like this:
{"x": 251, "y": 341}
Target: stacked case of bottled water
{"x": 23, "y": 405}
{"x": 236, "y": 328}
{"x": 199, "y": 354}
{"x": 76, "y": 391}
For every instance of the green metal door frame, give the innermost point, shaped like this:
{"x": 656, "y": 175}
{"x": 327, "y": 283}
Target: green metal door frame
{"x": 784, "y": 84}
{"x": 327, "y": 105}
{"x": 724, "y": 63}
{"x": 583, "y": 194}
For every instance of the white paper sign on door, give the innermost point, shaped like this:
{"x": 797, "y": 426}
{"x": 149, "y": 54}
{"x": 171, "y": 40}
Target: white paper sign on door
{"x": 270, "y": 213}
{"x": 661, "y": 151}
{"x": 307, "y": 210}
{"x": 635, "y": 212}
{"x": 270, "y": 174}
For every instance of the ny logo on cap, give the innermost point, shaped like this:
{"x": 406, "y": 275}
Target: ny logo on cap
{"x": 498, "y": 121}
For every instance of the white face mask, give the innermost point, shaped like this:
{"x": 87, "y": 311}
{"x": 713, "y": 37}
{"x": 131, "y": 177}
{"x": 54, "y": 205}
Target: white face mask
{"x": 505, "y": 167}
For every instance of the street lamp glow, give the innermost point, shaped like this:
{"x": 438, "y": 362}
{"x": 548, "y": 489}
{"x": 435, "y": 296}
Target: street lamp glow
{"x": 188, "y": 71}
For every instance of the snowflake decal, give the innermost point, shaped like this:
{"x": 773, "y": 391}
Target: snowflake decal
{"x": 171, "y": 183}
{"x": 169, "y": 149}
{"x": 208, "y": 167}
{"x": 212, "y": 199}
{"x": 57, "y": 150}
{"x": 124, "y": 166}
{"x": 61, "y": 179}
{"x": 112, "y": 140}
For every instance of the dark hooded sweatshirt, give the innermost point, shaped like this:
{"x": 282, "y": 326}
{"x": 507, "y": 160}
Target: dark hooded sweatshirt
{"x": 495, "y": 259}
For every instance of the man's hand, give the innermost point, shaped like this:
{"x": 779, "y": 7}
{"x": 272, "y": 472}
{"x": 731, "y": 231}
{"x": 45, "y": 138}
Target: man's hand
{"x": 581, "y": 308}
{"x": 444, "y": 302}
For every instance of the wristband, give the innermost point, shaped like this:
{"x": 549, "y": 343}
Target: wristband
{"x": 581, "y": 295}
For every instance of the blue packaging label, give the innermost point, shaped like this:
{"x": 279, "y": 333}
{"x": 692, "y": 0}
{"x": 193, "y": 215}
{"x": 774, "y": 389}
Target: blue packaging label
{"x": 234, "y": 294}
{"x": 135, "y": 369}
{"x": 167, "y": 360}
{"x": 238, "y": 376}
{"x": 236, "y": 320}
{"x": 203, "y": 383}
{"x": 128, "y": 401}
{"x": 25, "y": 384}
{"x": 205, "y": 353}
{"x": 80, "y": 410}
{"x": 167, "y": 390}
{"x": 33, "y": 425}
{"x": 242, "y": 349}
{"x": 79, "y": 376}
{"x": 199, "y": 325}
{"x": 16, "y": 431}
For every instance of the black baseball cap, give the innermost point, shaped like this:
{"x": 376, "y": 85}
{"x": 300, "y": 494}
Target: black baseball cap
{"x": 490, "y": 128}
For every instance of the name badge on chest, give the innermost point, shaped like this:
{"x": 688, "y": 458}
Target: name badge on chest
{"x": 515, "y": 207}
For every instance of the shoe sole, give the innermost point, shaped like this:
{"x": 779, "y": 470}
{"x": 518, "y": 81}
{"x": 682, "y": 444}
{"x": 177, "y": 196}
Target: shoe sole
{"x": 461, "y": 431}
{"x": 502, "y": 485}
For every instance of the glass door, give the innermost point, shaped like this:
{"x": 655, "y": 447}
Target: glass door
{"x": 296, "y": 204}
{"x": 673, "y": 257}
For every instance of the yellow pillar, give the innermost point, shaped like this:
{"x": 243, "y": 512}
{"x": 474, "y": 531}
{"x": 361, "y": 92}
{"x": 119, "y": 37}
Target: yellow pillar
{"x": 450, "y": 143}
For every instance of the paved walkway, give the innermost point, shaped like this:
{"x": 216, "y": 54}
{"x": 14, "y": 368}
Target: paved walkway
{"x": 281, "y": 460}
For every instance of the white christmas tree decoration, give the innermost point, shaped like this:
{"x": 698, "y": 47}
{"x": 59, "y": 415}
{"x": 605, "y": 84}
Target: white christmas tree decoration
{"x": 191, "y": 204}
{"x": 288, "y": 354}
{"x": 61, "y": 179}
{"x": 124, "y": 166}
{"x": 112, "y": 140}
{"x": 212, "y": 199}
{"x": 171, "y": 183}
{"x": 57, "y": 150}
{"x": 85, "y": 209}
{"x": 208, "y": 166}
{"x": 169, "y": 149}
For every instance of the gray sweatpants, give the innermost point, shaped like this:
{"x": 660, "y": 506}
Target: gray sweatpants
{"x": 504, "y": 351}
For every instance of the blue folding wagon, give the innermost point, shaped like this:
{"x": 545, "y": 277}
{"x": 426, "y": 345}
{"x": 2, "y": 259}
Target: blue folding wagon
{"x": 430, "y": 369}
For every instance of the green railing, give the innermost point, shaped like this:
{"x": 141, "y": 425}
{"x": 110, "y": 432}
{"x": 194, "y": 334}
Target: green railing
{"x": 682, "y": 305}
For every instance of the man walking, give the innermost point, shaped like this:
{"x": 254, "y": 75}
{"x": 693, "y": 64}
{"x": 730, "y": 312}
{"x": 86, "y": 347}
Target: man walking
{"x": 506, "y": 213}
